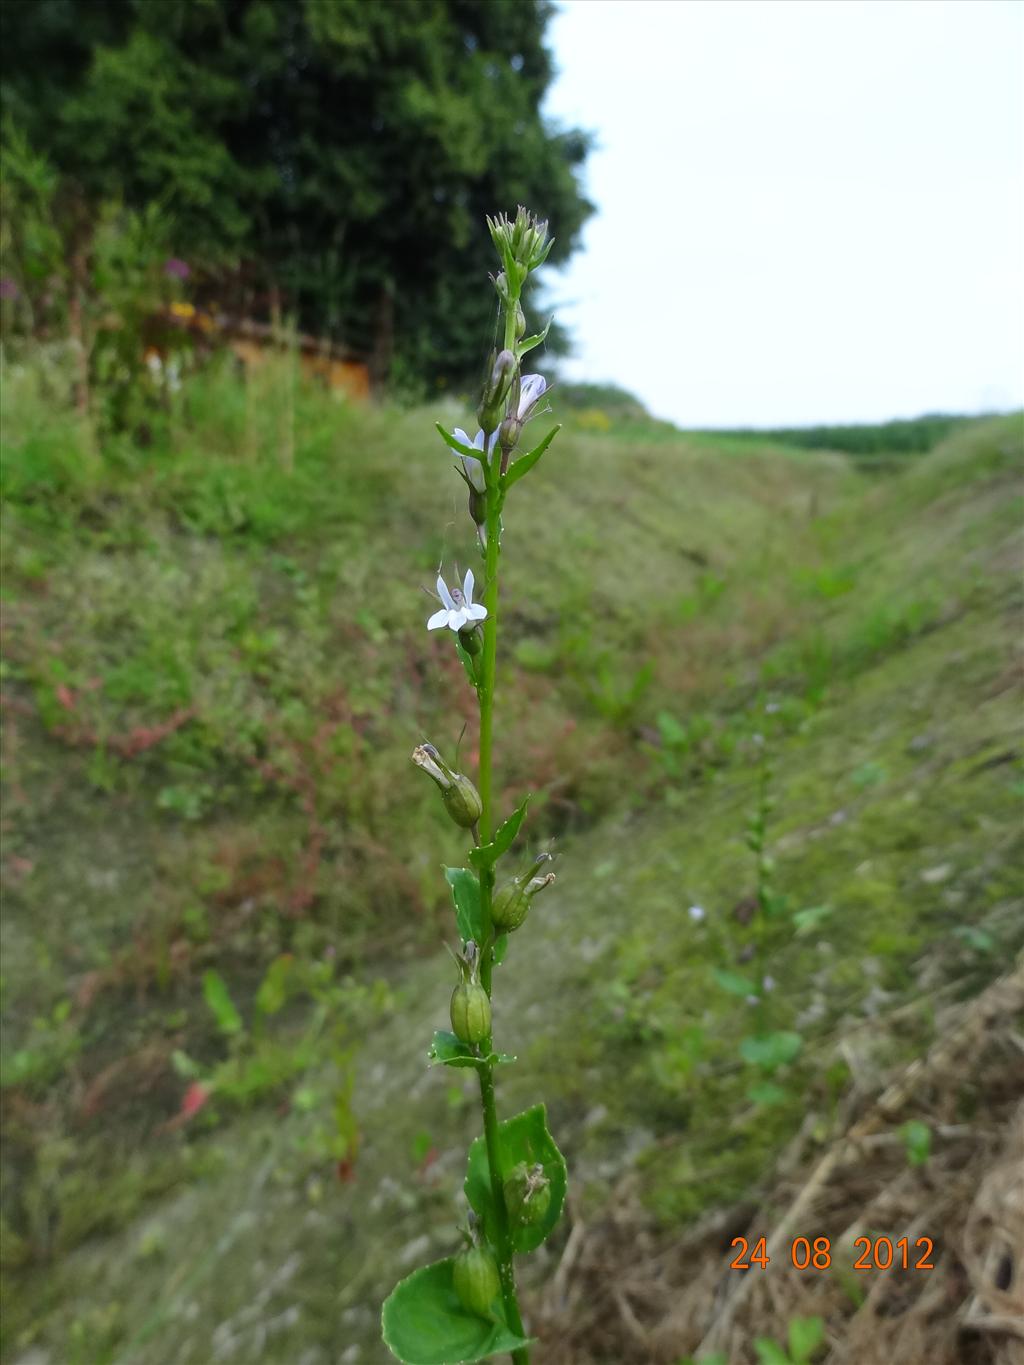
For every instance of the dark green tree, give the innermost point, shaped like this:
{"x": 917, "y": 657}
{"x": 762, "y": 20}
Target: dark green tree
{"x": 343, "y": 152}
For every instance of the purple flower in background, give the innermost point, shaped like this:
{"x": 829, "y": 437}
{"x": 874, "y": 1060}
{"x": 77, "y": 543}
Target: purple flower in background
{"x": 177, "y": 269}
{"x": 8, "y": 289}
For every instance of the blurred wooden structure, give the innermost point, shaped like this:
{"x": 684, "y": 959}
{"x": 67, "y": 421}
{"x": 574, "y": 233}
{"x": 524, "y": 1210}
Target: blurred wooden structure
{"x": 254, "y": 343}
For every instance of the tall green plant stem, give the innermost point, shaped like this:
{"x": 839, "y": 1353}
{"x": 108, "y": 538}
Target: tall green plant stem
{"x": 506, "y": 1268}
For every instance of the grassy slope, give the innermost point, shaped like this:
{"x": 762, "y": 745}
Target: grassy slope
{"x": 667, "y": 590}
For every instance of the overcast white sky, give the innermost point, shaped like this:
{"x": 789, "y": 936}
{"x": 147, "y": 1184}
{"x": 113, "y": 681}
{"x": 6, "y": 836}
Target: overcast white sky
{"x": 807, "y": 210}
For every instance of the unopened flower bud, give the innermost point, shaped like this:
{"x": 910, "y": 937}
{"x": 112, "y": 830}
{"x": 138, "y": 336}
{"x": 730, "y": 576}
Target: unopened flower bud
{"x": 461, "y": 798}
{"x": 527, "y": 1193}
{"x": 475, "y": 1278}
{"x": 492, "y": 404}
{"x": 520, "y": 321}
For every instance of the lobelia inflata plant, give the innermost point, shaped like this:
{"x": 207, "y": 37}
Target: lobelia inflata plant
{"x": 465, "y": 1308}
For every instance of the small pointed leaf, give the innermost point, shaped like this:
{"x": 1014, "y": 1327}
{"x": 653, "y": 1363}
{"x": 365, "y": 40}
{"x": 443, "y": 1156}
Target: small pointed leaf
{"x": 457, "y": 446}
{"x": 466, "y": 895}
{"x": 486, "y": 855}
{"x": 528, "y": 343}
{"x": 448, "y": 1050}
{"x": 526, "y": 462}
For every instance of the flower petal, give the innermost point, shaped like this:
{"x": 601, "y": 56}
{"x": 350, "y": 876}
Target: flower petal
{"x": 444, "y": 594}
{"x": 439, "y": 619}
{"x": 457, "y": 619}
{"x": 476, "y": 611}
{"x": 460, "y": 435}
{"x": 474, "y": 473}
{"x": 530, "y": 393}
{"x": 468, "y": 584}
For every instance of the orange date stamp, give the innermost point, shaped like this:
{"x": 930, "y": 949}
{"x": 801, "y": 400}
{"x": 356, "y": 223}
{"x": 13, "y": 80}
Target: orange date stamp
{"x": 815, "y": 1253}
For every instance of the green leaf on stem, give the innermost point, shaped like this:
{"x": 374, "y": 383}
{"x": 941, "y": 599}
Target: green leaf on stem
{"x": 523, "y": 1138}
{"x": 500, "y": 949}
{"x": 769, "y": 1051}
{"x": 448, "y": 1050}
{"x": 734, "y": 983}
{"x": 526, "y": 462}
{"x": 423, "y": 1322}
{"x": 466, "y": 895}
{"x": 456, "y": 445}
{"x": 528, "y": 343}
{"x": 486, "y": 855}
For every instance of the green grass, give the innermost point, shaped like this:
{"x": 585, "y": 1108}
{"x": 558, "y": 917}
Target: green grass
{"x": 215, "y": 668}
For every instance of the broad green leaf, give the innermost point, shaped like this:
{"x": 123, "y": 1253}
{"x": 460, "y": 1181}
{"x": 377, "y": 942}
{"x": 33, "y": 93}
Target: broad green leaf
{"x": 456, "y": 445}
{"x": 216, "y": 994}
{"x": 273, "y": 992}
{"x": 768, "y": 1353}
{"x": 466, "y": 895}
{"x": 449, "y": 1050}
{"x": 526, "y": 462}
{"x": 771, "y": 1050}
{"x": 423, "y": 1323}
{"x": 734, "y": 983}
{"x": 523, "y": 1138}
{"x": 805, "y": 1336}
{"x": 486, "y": 855}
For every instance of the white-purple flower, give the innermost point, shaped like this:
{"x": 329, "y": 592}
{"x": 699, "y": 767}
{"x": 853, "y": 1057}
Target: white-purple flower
{"x": 696, "y": 913}
{"x": 473, "y": 468}
{"x": 458, "y": 608}
{"x": 531, "y": 390}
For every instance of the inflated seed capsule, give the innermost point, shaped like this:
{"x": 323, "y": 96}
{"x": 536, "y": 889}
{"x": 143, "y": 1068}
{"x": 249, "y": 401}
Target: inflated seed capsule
{"x": 527, "y": 1194}
{"x": 509, "y": 906}
{"x": 511, "y": 901}
{"x": 470, "y": 1012}
{"x": 462, "y": 801}
{"x": 475, "y": 1276}
{"x": 461, "y": 798}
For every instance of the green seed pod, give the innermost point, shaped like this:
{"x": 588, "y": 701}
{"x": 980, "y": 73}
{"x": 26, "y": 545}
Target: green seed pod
{"x": 469, "y": 639}
{"x": 462, "y": 801}
{"x": 527, "y": 1194}
{"x": 509, "y": 907}
{"x": 461, "y": 798}
{"x": 512, "y": 901}
{"x": 475, "y": 1276}
{"x": 470, "y": 1012}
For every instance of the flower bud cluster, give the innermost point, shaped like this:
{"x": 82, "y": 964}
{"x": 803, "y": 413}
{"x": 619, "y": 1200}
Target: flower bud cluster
{"x": 522, "y": 241}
